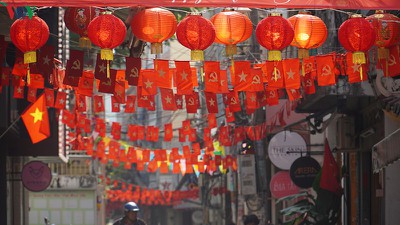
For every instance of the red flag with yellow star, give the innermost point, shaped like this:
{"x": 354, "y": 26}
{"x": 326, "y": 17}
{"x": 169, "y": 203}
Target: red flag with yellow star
{"x": 36, "y": 120}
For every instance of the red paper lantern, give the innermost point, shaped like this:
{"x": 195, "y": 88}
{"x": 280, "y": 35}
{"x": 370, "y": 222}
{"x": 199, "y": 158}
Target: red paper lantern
{"x": 29, "y": 35}
{"x": 231, "y": 28}
{"x": 154, "y": 25}
{"x": 357, "y": 35}
{"x": 274, "y": 33}
{"x": 309, "y": 32}
{"x": 106, "y": 31}
{"x": 387, "y": 30}
{"x": 77, "y": 21}
{"x": 196, "y": 33}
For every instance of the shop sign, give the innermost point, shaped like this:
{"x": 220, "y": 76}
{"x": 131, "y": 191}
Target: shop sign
{"x": 284, "y": 148}
{"x": 303, "y": 171}
{"x": 36, "y": 176}
{"x": 281, "y": 185}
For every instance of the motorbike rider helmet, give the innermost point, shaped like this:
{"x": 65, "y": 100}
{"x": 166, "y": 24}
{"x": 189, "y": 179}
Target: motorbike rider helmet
{"x": 131, "y": 206}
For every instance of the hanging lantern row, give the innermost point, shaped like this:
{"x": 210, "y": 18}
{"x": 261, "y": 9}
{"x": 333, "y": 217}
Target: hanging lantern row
{"x": 155, "y": 25}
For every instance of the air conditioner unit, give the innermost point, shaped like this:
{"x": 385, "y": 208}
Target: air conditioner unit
{"x": 345, "y": 133}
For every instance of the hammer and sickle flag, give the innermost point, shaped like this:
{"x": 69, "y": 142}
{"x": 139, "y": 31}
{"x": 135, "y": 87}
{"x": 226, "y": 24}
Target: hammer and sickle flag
{"x": 36, "y": 120}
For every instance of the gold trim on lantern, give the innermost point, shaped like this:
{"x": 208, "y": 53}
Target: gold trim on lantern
{"x": 275, "y": 14}
{"x": 359, "y": 58}
{"x": 383, "y": 53}
{"x": 274, "y": 55}
{"x": 156, "y": 48}
{"x": 30, "y": 57}
{"x": 84, "y": 42}
{"x": 303, "y": 53}
{"x": 230, "y": 50}
{"x": 356, "y": 16}
{"x": 197, "y": 55}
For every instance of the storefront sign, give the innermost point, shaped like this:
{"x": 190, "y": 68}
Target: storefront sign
{"x": 36, "y": 176}
{"x": 284, "y": 148}
{"x": 303, "y": 171}
{"x": 281, "y": 185}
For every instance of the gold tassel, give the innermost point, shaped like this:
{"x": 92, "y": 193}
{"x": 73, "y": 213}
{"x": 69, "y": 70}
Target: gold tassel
{"x": 197, "y": 55}
{"x": 233, "y": 66}
{"x": 303, "y": 53}
{"x": 303, "y": 70}
{"x": 106, "y": 54}
{"x": 275, "y": 74}
{"x": 156, "y": 48}
{"x": 108, "y": 69}
{"x": 359, "y": 58}
{"x": 28, "y": 76}
{"x": 383, "y": 53}
{"x": 361, "y": 73}
{"x": 230, "y": 50}
{"x": 202, "y": 73}
{"x": 274, "y": 55}
{"x": 30, "y": 57}
{"x": 84, "y": 42}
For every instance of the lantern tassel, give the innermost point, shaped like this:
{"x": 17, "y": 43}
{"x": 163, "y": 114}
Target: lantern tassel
{"x": 303, "y": 70}
{"x": 28, "y": 75}
{"x": 274, "y": 55}
{"x": 233, "y": 65}
{"x": 107, "y": 54}
{"x": 230, "y": 50}
{"x": 359, "y": 58}
{"x": 156, "y": 48}
{"x": 361, "y": 72}
{"x": 303, "y": 53}
{"x": 108, "y": 69}
{"x": 84, "y": 42}
{"x": 275, "y": 74}
{"x": 30, "y": 57}
{"x": 197, "y": 55}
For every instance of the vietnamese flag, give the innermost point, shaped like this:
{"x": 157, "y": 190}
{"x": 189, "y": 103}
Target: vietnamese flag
{"x": 168, "y": 132}
{"x": 36, "y": 81}
{"x": 183, "y": 78}
{"x": 49, "y": 94}
{"x": 212, "y": 120}
{"x": 130, "y": 104}
{"x": 45, "y": 59}
{"x": 291, "y": 73}
{"x": 149, "y": 86}
{"x": 115, "y": 105}
{"x": 243, "y": 77}
{"x": 85, "y": 85}
{"x": 36, "y": 120}
{"x": 211, "y": 102}
{"x": 162, "y": 76}
{"x": 330, "y": 179}
{"x": 168, "y": 99}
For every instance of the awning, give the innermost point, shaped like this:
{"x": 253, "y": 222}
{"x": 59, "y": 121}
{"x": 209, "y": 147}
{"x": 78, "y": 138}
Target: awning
{"x": 308, "y": 4}
{"x": 386, "y": 151}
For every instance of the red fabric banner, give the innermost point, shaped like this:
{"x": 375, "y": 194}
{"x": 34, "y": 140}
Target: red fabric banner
{"x": 317, "y": 4}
